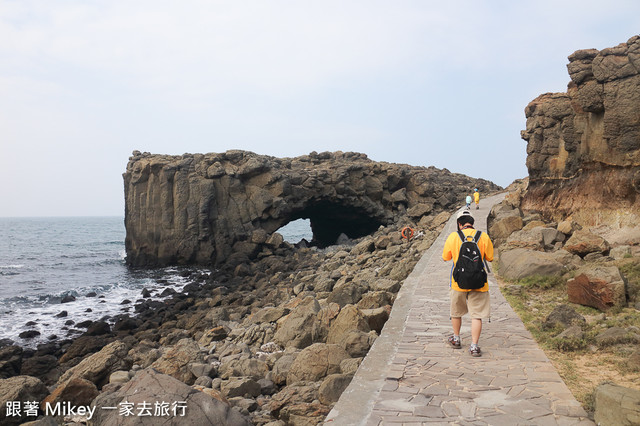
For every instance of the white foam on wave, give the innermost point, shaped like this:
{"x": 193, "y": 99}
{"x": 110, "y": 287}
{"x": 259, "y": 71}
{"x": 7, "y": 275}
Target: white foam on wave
{"x": 11, "y": 266}
{"x": 15, "y": 315}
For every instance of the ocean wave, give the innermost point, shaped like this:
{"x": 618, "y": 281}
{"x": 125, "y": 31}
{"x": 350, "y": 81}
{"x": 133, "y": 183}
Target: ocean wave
{"x": 11, "y": 266}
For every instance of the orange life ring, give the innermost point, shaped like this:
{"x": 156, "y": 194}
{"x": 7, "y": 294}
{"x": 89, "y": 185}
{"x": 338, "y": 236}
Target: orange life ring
{"x": 407, "y": 233}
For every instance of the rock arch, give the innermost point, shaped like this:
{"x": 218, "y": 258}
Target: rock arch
{"x": 210, "y": 208}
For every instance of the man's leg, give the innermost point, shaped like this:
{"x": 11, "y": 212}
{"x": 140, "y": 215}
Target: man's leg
{"x": 456, "y": 322}
{"x": 476, "y": 329}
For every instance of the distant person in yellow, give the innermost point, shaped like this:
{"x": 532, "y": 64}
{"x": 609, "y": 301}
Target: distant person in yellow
{"x": 469, "y": 287}
{"x": 476, "y": 198}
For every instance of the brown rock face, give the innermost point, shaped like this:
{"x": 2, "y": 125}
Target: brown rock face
{"x": 600, "y": 287}
{"x": 583, "y": 146}
{"x": 210, "y": 208}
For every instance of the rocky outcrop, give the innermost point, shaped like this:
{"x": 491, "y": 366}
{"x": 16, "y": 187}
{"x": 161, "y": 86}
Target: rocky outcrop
{"x": 214, "y": 208}
{"x": 617, "y": 405}
{"x": 583, "y": 146}
{"x": 19, "y": 389}
{"x": 183, "y": 405}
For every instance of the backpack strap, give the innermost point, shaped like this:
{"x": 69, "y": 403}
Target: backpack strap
{"x": 476, "y": 237}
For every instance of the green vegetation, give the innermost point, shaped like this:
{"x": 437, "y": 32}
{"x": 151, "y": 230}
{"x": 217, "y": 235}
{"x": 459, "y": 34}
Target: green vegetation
{"x": 541, "y": 281}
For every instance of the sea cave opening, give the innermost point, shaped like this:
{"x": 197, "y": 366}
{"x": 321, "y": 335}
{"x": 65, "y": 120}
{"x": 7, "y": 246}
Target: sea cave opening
{"x": 327, "y": 221}
{"x": 296, "y": 231}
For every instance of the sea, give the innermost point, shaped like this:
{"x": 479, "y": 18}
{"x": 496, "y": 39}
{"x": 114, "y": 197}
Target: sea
{"x": 56, "y": 272}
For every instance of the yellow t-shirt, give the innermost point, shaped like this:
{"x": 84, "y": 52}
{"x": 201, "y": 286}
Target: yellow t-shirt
{"x": 476, "y": 197}
{"x": 451, "y": 250}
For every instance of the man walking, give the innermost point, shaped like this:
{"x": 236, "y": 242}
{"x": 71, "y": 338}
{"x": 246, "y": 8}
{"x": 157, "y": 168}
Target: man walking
{"x": 471, "y": 293}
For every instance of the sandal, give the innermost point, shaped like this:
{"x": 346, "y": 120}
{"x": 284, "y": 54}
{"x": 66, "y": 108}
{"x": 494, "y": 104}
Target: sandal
{"x": 455, "y": 343}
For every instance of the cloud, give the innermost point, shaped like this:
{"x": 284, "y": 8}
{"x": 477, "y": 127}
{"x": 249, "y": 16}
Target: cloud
{"x": 405, "y": 81}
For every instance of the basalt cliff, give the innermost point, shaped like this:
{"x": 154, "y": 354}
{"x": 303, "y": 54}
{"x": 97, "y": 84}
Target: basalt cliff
{"x": 218, "y": 208}
{"x": 583, "y": 146}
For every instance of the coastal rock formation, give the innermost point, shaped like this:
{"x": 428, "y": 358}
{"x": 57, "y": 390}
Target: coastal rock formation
{"x": 213, "y": 208}
{"x": 583, "y": 146}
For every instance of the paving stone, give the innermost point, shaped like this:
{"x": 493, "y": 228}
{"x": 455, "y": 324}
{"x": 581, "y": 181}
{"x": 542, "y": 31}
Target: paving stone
{"x": 450, "y": 409}
{"x": 390, "y": 385}
{"x": 548, "y": 420}
{"x": 506, "y": 420}
{"x": 428, "y": 411}
{"x": 435, "y": 390}
{"x": 525, "y": 410}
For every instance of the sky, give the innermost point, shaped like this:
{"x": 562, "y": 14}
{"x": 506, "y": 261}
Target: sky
{"x": 427, "y": 83}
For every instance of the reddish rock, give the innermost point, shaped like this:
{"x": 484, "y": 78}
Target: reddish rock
{"x": 600, "y": 287}
{"x": 77, "y": 391}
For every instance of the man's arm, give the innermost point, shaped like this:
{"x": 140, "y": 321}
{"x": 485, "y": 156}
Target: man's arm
{"x": 446, "y": 251}
{"x": 488, "y": 248}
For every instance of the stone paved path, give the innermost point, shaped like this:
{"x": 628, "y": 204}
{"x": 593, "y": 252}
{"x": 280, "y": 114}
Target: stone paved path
{"x": 412, "y": 377}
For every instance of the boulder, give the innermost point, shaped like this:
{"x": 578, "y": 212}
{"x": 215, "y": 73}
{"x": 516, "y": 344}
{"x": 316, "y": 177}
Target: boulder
{"x": 19, "y": 388}
{"x": 583, "y": 242}
{"x": 250, "y": 367}
{"x": 176, "y": 361}
{"x": 420, "y": 210}
{"x": 350, "y": 365}
{"x": 346, "y": 294}
{"x": 119, "y": 377}
{"x": 145, "y": 353}
{"x": 98, "y": 328}
{"x": 616, "y": 405}
{"x": 620, "y": 252}
{"x": 299, "y": 329}
{"x": 563, "y": 316}
{"x": 153, "y": 388}
{"x": 41, "y": 367}
{"x": 268, "y": 314}
{"x": 520, "y": 263}
{"x": 332, "y": 387}
{"x": 357, "y": 343}
{"x": 281, "y": 368}
{"x": 76, "y": 390}
{"x": 349, "y": 319}
{"x": 214, "y": 334}
{"x": 550, "y": 236}
{"x": 505, "y": 226}
{"x": 315, "y": 362}
{"x": 97, "y": 367}
{"x": 568, "y": 226}
{"x": 617, "y": 335}
{"x": 296, "y": 394}
{"x": 82, "y": 346}
{"x": 241, "y": 386}
{"x": 375, "y": 299}
{"x": 528, "y": 239}
{"x": 601, "y": 287}
{"x": 305, "y": 414}
{"x": 376, "y": 318}
{"x": 10, "y": 361}
{"x": 633, "y": 363}
{"x": 386, "y": 285}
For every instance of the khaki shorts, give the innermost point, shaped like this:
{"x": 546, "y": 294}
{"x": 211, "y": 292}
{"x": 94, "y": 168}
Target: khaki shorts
{"x": 476, "y": 303}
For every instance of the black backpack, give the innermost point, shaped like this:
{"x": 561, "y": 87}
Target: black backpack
{"x": 469, "y": 271}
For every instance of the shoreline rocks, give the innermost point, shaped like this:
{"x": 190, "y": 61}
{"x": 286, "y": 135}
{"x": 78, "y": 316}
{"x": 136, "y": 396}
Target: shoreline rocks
{"x": 241, "y": 335}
